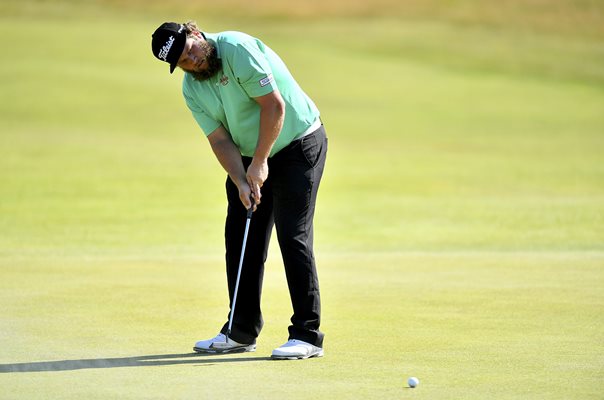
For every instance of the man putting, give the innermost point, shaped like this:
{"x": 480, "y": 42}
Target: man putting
{"x": 267, "y": 135}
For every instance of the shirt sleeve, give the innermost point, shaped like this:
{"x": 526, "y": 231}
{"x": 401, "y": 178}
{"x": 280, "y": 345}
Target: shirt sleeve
{"x": 252, "y": 69}
{"x": 205, "y": 122}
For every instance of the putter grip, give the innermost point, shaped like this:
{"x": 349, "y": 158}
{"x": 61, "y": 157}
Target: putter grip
{"x": 250, "y": 211}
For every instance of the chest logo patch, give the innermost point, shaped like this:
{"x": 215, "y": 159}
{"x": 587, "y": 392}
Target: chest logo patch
{"x": 224, "y": 80}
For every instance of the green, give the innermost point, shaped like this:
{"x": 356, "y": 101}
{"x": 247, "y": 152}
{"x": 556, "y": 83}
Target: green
{"x": 459, "y": 223}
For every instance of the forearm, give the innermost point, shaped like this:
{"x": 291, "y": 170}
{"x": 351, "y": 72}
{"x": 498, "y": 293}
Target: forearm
{"x": 229, "y": 157}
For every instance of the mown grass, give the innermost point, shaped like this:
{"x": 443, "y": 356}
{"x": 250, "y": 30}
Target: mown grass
{"x": 459, "y": 229}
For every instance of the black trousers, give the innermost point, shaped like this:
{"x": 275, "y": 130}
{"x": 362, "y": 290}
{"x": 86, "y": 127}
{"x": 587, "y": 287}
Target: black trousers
{"x": 288, "y": 202}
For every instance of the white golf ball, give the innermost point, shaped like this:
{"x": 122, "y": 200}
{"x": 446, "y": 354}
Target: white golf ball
{"x": 413, "y": 382}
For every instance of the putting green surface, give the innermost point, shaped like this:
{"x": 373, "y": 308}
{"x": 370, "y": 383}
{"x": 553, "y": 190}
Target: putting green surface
{"x": 459, "y": 230}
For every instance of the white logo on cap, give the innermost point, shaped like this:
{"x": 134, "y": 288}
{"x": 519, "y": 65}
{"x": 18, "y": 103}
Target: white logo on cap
{"x": 163, "y": 53}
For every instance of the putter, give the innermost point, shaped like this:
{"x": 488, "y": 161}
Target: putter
{"x": 247, "y": 229}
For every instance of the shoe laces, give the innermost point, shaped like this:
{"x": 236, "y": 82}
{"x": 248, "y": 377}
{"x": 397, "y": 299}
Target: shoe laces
{"x": 219, "y": 338}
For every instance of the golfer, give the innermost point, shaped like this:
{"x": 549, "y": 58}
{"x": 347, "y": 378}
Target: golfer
{"x": 266, "y": 133}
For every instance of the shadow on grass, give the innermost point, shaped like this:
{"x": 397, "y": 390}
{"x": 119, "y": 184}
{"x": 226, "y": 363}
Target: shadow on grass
{"x": 139, "y": 361}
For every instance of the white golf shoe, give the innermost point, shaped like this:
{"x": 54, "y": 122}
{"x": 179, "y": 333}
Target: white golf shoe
{"x": 220, "y": 345}
{"x": 296, "y": 349}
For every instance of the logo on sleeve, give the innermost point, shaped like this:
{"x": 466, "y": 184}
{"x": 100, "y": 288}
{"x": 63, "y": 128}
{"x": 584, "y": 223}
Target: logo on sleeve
{"x": 266, "y": 81}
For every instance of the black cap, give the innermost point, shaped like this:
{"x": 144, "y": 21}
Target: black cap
{"x": 168, "y": 43}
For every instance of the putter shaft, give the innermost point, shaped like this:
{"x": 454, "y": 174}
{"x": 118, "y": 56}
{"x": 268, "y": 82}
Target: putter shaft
{"x": 247, "y": 229}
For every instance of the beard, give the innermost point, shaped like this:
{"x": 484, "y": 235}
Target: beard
{"x": 214, "y": 63}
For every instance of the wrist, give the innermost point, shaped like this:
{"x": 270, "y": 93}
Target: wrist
{"x": 239, "y": 180}
{"x": 259, "y": 160}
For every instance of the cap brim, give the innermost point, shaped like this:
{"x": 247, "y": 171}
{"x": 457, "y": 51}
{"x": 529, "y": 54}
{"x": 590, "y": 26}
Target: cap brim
{"x": 179, "y": 46}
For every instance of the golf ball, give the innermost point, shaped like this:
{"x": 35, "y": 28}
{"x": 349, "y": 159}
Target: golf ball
{"x": 413, "y": 382}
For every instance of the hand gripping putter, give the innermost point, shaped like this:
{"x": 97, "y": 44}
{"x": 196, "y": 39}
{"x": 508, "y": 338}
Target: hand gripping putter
{"x": 247, "y": 229}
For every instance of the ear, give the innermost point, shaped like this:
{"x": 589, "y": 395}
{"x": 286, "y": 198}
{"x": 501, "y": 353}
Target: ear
{"x": 198, "y": 34}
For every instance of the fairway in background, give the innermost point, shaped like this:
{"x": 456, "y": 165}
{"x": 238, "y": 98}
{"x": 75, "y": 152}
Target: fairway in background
{"x": 459, "y": 225}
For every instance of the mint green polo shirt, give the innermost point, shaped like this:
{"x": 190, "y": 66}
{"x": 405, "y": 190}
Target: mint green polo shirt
{"x": 249, "y": 69}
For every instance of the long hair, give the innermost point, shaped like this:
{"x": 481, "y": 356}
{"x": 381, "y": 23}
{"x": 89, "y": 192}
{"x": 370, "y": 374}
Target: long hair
{"x": 191, "y": 26}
